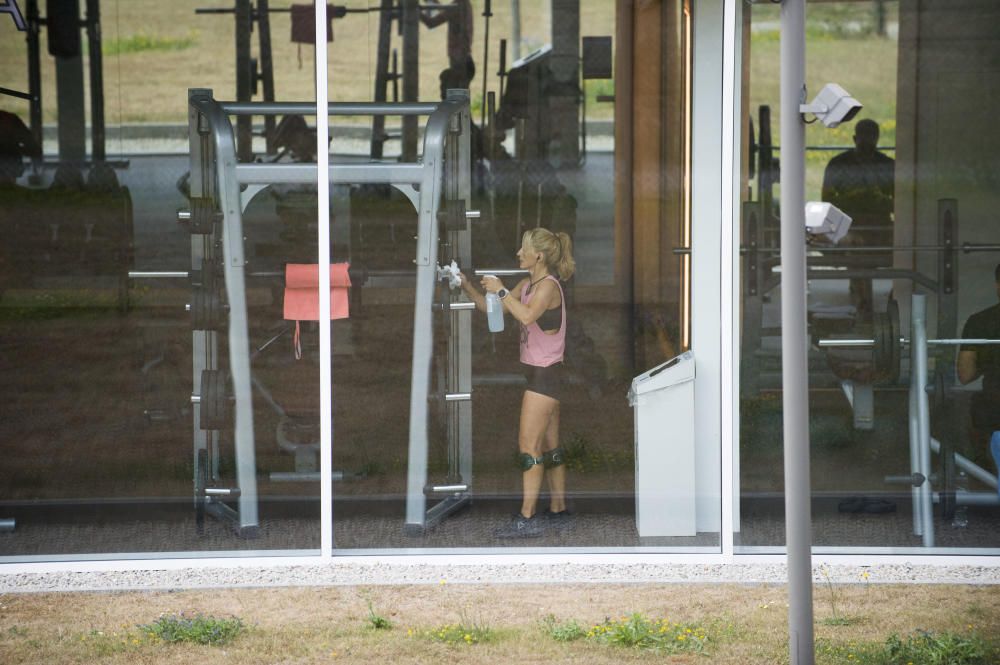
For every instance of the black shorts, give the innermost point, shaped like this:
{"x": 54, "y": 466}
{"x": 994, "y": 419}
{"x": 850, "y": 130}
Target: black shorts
{"x": 548, "y": 381}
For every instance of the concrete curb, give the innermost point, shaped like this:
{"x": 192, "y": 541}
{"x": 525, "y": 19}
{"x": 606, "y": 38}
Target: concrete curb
{"x": 358, "y": 573}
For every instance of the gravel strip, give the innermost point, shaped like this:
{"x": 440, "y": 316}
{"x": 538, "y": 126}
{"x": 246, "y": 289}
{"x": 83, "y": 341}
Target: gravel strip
{"x": 365, "y": 573}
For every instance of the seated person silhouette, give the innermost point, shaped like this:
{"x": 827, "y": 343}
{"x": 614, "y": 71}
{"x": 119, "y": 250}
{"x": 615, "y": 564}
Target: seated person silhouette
{"x": 861, "y": 183}
{"x": 975, "y": 360}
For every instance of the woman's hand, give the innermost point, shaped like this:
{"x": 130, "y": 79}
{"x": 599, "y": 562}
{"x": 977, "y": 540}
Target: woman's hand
{"x": 491, "y": 284}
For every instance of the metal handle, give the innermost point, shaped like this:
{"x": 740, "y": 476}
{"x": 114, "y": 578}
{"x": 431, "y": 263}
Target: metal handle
{"x": 222, "y": 491}
{"x": 868, "y": 343}
{"x": 501, "y": 272}
{"x": 157, "y": 274}
{"x": 446, "y": 489}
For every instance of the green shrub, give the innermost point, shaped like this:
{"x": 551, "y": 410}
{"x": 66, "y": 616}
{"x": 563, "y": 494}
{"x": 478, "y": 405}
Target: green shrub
{"x": 920, "y": 648}
{"x": 937, "y": 649}
{"x": 639, "y": 632}
{"x": 196, "y": 628}
{"x": 563, "y": 632}
{"x": 466, "y": 631}
{"x": 377, "y": 621}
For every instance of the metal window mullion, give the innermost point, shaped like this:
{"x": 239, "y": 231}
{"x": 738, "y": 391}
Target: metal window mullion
{"x": 729, "y": 262}
{"x": 323, "y": 240}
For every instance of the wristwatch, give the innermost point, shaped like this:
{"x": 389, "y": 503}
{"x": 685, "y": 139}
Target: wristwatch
{"x": 502, "y": 293}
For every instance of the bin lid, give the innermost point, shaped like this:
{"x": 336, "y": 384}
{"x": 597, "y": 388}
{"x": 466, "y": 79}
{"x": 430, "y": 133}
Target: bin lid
{"x": 678, "y": 369}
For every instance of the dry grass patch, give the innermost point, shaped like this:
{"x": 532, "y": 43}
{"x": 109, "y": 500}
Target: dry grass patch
{"x": 740, "y": 624}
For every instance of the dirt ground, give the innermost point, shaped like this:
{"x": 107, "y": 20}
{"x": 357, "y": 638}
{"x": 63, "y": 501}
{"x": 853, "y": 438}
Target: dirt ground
{"x": 743, "y": 624}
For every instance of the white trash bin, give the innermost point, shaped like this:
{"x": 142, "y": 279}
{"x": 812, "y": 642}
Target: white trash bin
{"x": 663, "y": 403}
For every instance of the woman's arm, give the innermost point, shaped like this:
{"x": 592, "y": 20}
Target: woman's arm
{"x": 546, "y": 295}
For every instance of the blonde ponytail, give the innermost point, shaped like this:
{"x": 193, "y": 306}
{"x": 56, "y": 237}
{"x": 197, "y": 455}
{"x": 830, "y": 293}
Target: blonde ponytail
{"x": 557, "y": 248}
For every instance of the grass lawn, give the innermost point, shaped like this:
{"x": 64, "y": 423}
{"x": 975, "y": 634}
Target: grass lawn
{"x": 475, "y": 624}
{"x": 860, "y": 61}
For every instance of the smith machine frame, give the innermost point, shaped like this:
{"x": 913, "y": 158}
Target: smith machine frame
{"x": 221, "y": 188}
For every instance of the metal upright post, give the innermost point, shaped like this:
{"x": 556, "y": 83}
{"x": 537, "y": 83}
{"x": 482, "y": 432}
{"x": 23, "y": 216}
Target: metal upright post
{"x": 487, "y": 15}
{"x": 918, "y": 350}
{"x": 96, "y": 65}
{"x": 411, "y": 75}
{"x": 914, "y": 423}
{"x": 34, "y": 72}
{"x": 204, "y": 343}
{"x": 515, "y": 30}
{"x": 461, "y": 246}
{"x": 244, "y": 79}
{"x": 266, "y": 69}
{"x": 381, "y": 76}
{"x": 794, "y": 347}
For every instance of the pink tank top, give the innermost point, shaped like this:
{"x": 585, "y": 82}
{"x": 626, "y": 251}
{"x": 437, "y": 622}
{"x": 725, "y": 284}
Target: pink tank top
{"x": 537, "y": 348}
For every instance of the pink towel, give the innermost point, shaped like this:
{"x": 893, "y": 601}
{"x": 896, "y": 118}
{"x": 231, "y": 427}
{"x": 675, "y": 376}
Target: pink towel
{"x": 302, "y": 294}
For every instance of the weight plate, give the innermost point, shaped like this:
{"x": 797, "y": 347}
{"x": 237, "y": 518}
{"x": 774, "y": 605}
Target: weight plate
{"x": 214, "y": 400}
{"x": 206, "y": 307}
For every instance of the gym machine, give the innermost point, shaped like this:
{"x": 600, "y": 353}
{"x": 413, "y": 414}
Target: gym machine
{"x": 63, "y": 26}
{"x": 887, "y": 345}
{"x": 221, "y": 188}
{"x": 252, "y": 71}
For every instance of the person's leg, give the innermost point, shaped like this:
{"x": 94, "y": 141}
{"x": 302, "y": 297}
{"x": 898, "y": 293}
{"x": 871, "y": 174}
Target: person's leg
{"x": 995, "y": 449}
{"x": 556, "y": 473}
{"x": 536, "y": 411}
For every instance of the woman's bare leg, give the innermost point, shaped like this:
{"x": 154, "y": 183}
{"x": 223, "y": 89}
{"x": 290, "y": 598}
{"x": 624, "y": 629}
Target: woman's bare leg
{"x": 536, "y": 412}
{"x": 556, "y": 475}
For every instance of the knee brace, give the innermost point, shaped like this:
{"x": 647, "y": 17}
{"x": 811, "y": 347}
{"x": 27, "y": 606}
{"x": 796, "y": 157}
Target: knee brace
{"x": 555, "y": 457}
{"x": 526, "y": 461}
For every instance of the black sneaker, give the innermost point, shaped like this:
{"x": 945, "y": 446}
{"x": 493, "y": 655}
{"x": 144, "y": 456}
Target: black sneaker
{"x": 559, "y": 521}
{"x": 521, "y": 527}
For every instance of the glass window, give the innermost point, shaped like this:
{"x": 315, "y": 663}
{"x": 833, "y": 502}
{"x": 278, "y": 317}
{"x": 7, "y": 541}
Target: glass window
{"x": 153, "y": 400}
{"x": 158, "y": 291}
{"x": 910, "y": 170}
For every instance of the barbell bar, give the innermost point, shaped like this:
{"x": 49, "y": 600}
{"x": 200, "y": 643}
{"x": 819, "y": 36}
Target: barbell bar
{"x": 869, "y": 343}
{"x": 887, "y": 342}
{"x": 965, "y": 247}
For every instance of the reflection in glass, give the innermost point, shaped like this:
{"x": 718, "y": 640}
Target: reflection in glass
{"x": 895, "y": 455}
{"x": 129, "y": 428}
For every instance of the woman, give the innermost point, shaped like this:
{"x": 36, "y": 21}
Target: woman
{"x": 538, "y": 303}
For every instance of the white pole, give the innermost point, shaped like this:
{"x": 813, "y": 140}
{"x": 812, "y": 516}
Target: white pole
{"x": 323, "y": 220}
{"x": 794, "y": 348}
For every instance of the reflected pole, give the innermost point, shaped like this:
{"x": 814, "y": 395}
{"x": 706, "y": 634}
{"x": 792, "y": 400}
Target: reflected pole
{"x": 794, "y": 346}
